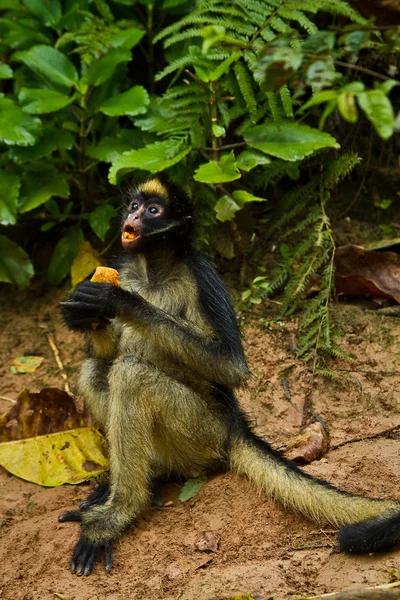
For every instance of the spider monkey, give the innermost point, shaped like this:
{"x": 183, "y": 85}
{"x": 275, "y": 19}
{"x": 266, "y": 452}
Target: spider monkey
{"x": 163, "y": 364}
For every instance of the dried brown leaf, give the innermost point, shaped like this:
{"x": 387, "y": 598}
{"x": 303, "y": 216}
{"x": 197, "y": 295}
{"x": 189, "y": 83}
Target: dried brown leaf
{"x": 360, "y": 272}
{"x": 46, "y": 412}
{"x": 311, "y": 444}
{"x": 207, "y": 541}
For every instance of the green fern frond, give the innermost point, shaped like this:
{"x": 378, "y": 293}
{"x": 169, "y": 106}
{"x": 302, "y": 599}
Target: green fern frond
{"x": 246, "y": 88}
{"x": 274, "y": 107}
{"x": 296, "y": 15}
{"x": 286, "y": 99}
{"x": 188, "y": 34}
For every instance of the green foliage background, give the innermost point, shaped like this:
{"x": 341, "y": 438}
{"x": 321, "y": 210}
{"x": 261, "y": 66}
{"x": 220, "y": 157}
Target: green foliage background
{"x": 230, "y": 99}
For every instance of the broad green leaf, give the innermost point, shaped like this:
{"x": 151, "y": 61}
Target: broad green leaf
{"x": 85, "y": 263}
{"x": 100, "y": 218}
{"x": 15, "y": 265}
{"x": 319, "y": 42}
{"x": 51, "y": 139}
{"x": 50, "y": 460}
{"x": 353, "y": 86}
{"x": 191, "y": 487}
{"x": 26, "y": 364}
{"x": 248, "y": 159}
{"x": 217, "y": 130}
{"x": 153, "y": 157}
{"x": 102, "y": 68}
{"x": 48, "y": 11}
{"x": 133, "y": 102}
{"x": 108, "y": 149}
{"x": 50, "y": 64}
{"x": 36, "y": 101}
{"x": 214, "y": 172}
{"x": 229, "y": 205}
{"x": 319, "y": 98}
{"x": 64, "y": 255}
{"x": 224, "y": 66}
{"x": 388, "y": 85}
{"x": 9, "y": 190}
{"x": 347, "y": 107}
{"x": 16, "y": 127}
{"x": 288, "y": 140}
{"x": 40, "y": 186}
{"x": 379, "y": 110}
{"x": 126, "y": 38}
{"x": 321, "y": 73}
{"x": 20, "y": 34}
{"x": 5, "y": 72}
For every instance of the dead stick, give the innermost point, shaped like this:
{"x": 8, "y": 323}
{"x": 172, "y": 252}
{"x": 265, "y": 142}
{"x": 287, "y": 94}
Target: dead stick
{"x": 372, "y": 436}
{"x": 380, "y": 592}
{"x": 56, "y": 353}
{"x": 8, "y": 399}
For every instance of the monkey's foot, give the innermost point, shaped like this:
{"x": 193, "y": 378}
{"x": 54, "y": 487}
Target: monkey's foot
{"x": 98, "y": 496}
{"x": 86, "y": 553}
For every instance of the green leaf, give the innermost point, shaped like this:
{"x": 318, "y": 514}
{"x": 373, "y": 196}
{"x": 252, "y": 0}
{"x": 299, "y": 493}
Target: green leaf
{"x": 248, "y": 159}
{"x": 51, "y": 139}
{"x": 5, "y": 72}
{"x": 9, "y": 190}
{"x": 217, "y": 130}
{"x": 228, "y": 205}
{"x": 108, "y": 149}
{"x": 319, "y": 98}
{"x": 133, "y": 102}
{"x": 100, "y": 218}
{"x": 15, "y": 265}
{"x": 154, "y": 157}
{"x": 379, "y": 110}
{"x": 50, "y": 64}
{"x": 48, "y": 11}
{"x": 103, "y": 68}
{"x": 191, "y": 487}
{"x": 40, "y": 186}
{"x": 288, "y": 140}
{"x": 347, "y": 107}
{"x": 214, "y": 172}
{"x": 126, "y": 38}
{"x": 64, "y": 255}
{"x": 387, "y": 86}
{"x": 16, "y": 127}
{"x": 37, "y": 101}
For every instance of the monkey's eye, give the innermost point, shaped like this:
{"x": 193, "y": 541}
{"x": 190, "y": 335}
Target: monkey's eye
{"x": 154, "y": 210}
{"x": 134, "y": 206}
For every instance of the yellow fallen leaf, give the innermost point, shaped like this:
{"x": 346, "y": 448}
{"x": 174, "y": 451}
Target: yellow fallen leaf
{"x": 86, "y": 261}
{"x": 50, "y": 460}
{"x": 26, "y": 364}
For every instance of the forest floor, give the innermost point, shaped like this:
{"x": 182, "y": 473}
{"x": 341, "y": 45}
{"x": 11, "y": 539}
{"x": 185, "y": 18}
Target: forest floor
{"x": 263, "y": 551}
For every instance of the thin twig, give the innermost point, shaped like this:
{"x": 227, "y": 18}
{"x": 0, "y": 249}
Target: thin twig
{"x": 358, "y": 193}
{"x": 60, "y": 365}
{"x": 379, "y": 592}
{"x": 8, "y": 399}
{"x": 227, "y": 147}
{"x": 372, "y": 436}
{"x": 312, "y": 546}
{"x": 370, "y": 372}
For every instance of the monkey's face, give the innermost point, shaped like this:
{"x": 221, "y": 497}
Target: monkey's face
{"x": 147, "y": 218}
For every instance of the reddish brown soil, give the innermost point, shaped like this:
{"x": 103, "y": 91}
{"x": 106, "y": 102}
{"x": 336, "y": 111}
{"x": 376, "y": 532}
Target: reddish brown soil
{"x": 263, "y": 550}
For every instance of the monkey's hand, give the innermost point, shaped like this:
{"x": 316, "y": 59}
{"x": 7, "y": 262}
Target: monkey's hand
{"x": 97, "y": 536}
{"x": 91, "y": 303}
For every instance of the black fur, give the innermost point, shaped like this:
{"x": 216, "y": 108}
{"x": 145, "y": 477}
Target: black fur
{"x": 373, "y": 535}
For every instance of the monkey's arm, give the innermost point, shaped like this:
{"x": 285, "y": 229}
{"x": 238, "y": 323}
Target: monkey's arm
{"x": 212, "y": 356}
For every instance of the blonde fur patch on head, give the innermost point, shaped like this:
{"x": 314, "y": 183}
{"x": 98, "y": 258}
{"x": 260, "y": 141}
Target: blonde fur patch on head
{"x": 154, "y": 187}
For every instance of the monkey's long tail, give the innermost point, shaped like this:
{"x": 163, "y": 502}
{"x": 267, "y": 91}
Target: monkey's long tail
{"x": 369, "y": 525}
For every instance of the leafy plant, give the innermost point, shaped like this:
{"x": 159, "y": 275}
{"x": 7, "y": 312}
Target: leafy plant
{"x": 240, "y": 99}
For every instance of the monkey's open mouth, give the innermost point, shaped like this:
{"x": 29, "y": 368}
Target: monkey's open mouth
{"x": 129, "y": 234}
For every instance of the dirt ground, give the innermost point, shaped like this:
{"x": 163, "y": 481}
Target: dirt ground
{"x": 263, "y": 550}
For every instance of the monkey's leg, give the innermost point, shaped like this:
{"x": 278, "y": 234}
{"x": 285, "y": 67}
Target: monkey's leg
{"x": 94, "y": 387}
{"x": 99, "y": 496}
{"x": 154, "y": 425}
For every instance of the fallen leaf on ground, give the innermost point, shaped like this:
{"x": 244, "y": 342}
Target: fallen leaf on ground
{"x": 26, "y": 364}
{"x": 312, "y": 442}
{"x": 44, "y": 440}
{"x": 207, "y": 541}
{"x": 84, "y": 264}
{"x": 33, "y": 414}
{"x": 191, "y": 487}
{"x": 360, "y": 272}
{"x": 50, "y": 460}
